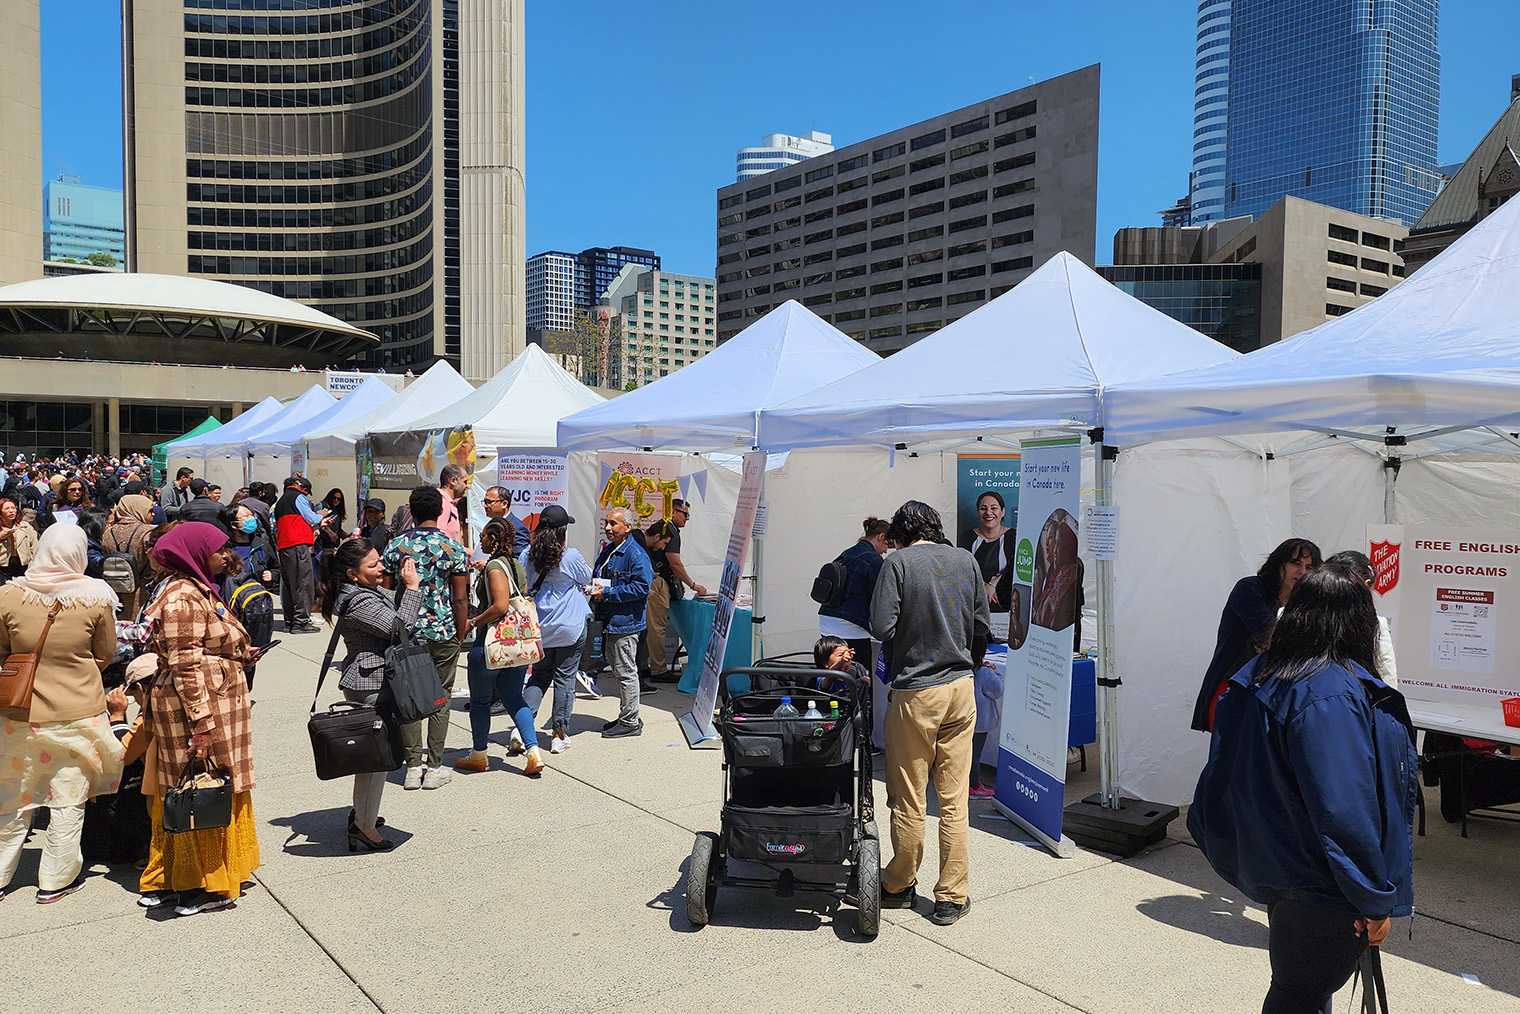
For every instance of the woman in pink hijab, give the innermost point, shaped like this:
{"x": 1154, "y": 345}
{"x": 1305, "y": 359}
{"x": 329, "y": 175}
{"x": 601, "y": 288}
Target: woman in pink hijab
{"x": 199, "y": 708}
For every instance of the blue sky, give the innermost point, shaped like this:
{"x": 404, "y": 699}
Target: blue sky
{"x": 635, "y": 110}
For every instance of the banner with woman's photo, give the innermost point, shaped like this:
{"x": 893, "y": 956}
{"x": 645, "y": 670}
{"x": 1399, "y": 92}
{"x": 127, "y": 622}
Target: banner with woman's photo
{"x": 986, "y": 516}
{"x": 405, "y": 460}
{"x": 1031, "y": 782}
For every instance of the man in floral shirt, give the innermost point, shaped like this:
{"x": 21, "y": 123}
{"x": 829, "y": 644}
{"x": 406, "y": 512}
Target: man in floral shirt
{"x": 444, "y": 567}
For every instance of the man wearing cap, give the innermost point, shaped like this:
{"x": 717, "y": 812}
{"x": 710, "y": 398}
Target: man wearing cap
{"x": 295, "y": 531}
{"x": 202, "y": 506}
{"x": 373, "y": 526}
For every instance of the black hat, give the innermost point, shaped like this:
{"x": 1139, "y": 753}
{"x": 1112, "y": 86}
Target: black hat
{"x": 554, "y": 516}
{"x": 197, "y": 486}
{"x": 375, "y": 503}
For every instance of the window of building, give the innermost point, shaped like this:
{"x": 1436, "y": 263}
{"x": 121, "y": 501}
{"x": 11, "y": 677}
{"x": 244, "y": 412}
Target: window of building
{"x": 729, "y": 258}
{"x": 926, "y": 233}
{"x": 1336, "y": 257}
{"x": 790, "y": 202}
{"x": 967, "y": 150}
{"x": 928, "y": 140}
{"x": 1022, "y": 211}
{"x": 1017, "y": 187}
{"x": 852, "y": 250}
{"x": 855, "y": 205}
{"x": 969, "y": 127}
{"x": 927, "y": 185}
{"x": 972, "y": 296}
{"x": 961, "y": 250}
{"x": 818, "y": 216}
{"x": 1340, "y": 284}
{"x": 818, "y": 237}
{"x": 968, "y": 223}
{"x": 1373, "y": 290}
{"x": 1016, "y": 162}
{"x": 926, "y": 257}
{"x": 782, "y": 286}
{"x": 890, "y": 151}
{"x": 926, "y": 209}
{"x": 854, "y": 163}
{"x": 819, "y": 258}
{"x": 763, "y": 230}
{"x": 789, "y": 183}
{"x": 732, "y": 276}
{"x": 922, "y": 280}
{"x": 855, "y": 272}
{"x": 821, "y": 173}
{"x": 1015, "y": 113}
{"x": 818, "y": 279}
{"x": 886, "y": 332}
{"x": 754, "y": 272}
{"x": 1398, "y": 271}
{"x": 757, "y": 212}
{"x": 818, "y": 195}
{"x": 845, "y": 186}
{"x": 850, "y": 229}
{"x": 750, "y": 293}
{"x": 730, "y": 202}
{"x": 886, "y": 309}
{"x": 1373, "y": 239}
{"x": 891, "y": 265}
{"x": 881, "y": 220}
{"x": 927, "y": 163}
{"x": 975, "y": 271}
{"x": 789, "y": 223}
{"x": 1340, "y": 232}
{"x": 965, "y": 200}
{"x": 886, "y": 241}
{"x": 1013, "y": 137}
{"x": 923, "y": 326}
{"x": 888, "y": 197}
{"x": 881, "y": 287}
{"x": 848, "y": 315}
{"x": 733, "y": 219}
{"x": 789, "y": 263}
{"x": 1017, "y": 264}
{"x": 725, "y": 238}
{"x": 933, "y": 302}
{"x": 1336, "y": 309}
{"x": 821, "y": 299}
{"x": 757, "y": 193}
{"x": 762, "y": 250}
{"x": 887, "y": 174}
{"x": 1012, "y": 239}
{"x": 1368, "y": 264}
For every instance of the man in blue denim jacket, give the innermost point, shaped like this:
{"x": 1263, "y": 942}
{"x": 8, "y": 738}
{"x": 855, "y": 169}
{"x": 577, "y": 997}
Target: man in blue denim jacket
{"x": 619, "y": 586}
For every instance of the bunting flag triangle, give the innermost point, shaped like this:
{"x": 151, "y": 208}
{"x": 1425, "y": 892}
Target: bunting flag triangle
{"x": 701, "y": 480}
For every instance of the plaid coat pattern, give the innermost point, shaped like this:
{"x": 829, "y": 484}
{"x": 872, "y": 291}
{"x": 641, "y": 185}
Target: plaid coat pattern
{"x": 200, "y": 686}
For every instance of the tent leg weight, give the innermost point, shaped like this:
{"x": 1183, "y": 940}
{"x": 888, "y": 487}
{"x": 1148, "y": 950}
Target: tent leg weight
{"x": 1135, "y": 825}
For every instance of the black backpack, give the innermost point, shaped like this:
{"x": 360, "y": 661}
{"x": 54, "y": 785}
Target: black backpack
{"x": 829, "y": 585}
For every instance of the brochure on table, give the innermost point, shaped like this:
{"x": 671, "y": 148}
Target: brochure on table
{"x": 1031, "y": 784}
{"x": 1452, "y": 599}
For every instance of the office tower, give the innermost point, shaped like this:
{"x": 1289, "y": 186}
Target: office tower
{"x": 1331, "y": 101}
{"x": 777, "y": 151}
{"x": 21, "y": 146}
{"x": 81, "y": 220}
{"x": 317, "y": 151}
{"x": 596, "y": 268}
{"x": 551, "y": 291}
{"x": 896, "y": 236}
{"x": 665, "y": 321}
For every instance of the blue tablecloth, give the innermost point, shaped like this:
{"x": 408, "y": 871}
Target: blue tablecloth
{"x": 693, "y": 620}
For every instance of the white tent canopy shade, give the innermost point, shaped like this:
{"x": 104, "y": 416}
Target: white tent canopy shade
{"x": 221, "y": 444}
{"x": 714, "y": 403}
{"x": 249, "y": 422}
{"x": 369, "y": 395}
{"x": 519, "y": 407}
{"x": 1037, "y": 356}
{"x": 440, "y": 385}
{"x": 1440, "y": 349}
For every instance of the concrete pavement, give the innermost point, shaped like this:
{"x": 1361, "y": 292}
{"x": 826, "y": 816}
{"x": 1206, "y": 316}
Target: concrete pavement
{"x": 564, "y": 893}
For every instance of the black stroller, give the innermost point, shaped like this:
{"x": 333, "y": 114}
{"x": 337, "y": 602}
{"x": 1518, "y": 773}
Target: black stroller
{"x": 797, "y": 793}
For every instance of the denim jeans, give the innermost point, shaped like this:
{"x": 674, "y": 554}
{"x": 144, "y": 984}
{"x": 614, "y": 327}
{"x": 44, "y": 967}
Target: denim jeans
{"x": 622, "y": 651}
{"x": 507, "y": 684}
{"x": 557, "y": 668}
{"x": 1313, "y": 951}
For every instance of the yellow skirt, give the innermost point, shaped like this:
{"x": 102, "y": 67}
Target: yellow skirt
{"x": 217, "y": 860}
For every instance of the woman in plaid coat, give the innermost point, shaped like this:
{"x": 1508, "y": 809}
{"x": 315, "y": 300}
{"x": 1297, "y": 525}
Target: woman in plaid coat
{"x": 198, "y": 707}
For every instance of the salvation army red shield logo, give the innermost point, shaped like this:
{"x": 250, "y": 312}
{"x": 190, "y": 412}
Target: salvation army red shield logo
{"x": 1385, "y": 566}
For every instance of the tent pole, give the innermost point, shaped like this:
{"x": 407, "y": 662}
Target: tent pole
{"x": 1391, "y": 465}
{"x": 757, "y": 598}
{"x": 1108, "y": 683}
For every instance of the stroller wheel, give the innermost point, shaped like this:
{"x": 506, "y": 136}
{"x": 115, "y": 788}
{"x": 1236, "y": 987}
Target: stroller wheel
{"x": 702, "y": 876}
{"x": 868, "y": 879}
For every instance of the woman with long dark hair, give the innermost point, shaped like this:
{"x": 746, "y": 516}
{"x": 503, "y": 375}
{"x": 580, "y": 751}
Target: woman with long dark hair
{"x": 556, "y": 575}
{"x": 992, "y": 543}
{"x": 73, "y": 499}
{"x": 351, "y": 598}
{"x": 502, "y": 576}
{"x": 1307, "y": 802}
{"x": 1247, "y": 619}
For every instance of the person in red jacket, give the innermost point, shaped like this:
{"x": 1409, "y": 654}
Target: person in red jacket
{"x": 295, "y": 531}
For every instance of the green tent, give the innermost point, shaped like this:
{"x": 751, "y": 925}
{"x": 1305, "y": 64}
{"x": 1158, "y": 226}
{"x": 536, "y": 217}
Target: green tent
{"x": 161, "y": 451}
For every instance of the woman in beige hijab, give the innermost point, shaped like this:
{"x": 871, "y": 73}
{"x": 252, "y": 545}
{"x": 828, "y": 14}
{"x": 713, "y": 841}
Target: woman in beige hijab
{"x": 128, "y": 534}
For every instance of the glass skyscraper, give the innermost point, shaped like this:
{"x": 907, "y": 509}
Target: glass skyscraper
{"x": 1333, "y": 101}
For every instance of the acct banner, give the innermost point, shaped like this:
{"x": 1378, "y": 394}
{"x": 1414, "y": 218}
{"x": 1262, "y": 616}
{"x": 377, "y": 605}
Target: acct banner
{"x": 645, "y": 482}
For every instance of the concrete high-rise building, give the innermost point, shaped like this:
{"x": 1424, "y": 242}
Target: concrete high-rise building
{"x": 894, "y": 237}
{"x": 777, "y": 151}
{"x": 597, "y": 267}
{"x": 665, "y": 321}
{"x": 20, "y": 141}
{"x": 551, "y": 291}
{"x": 81, "y": 220}
{"x": 1331, "y": 101}
{"x": 321, "y": 154}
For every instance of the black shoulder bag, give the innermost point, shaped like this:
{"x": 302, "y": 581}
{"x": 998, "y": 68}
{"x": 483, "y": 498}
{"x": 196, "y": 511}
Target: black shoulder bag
{"x": 200, "y": 802}
{"x": 350, "y": 738}
{"x": 413, "y": 690}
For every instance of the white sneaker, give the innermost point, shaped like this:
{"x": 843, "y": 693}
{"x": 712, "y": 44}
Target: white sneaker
{"x": 560, "y": 744}
{"x": 413, "y": 779}
{"x": 588, "y": 685}
{"x": 515, "y": 745}
{"x": 498, "y": 708}
{"x": 437, "y": 778}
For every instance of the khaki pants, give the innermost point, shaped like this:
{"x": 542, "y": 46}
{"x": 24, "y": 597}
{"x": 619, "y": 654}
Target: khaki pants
{"x": 656, "y": 615}
{"x": 929, "y": 732}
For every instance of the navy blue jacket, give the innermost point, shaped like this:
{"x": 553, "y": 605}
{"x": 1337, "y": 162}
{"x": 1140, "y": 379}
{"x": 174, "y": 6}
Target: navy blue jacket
{"x": 862, "y": 563}
{"x": 1243, "y": 628}
{"x": 627, "y": 567}
{"x": 1309, "y": 792}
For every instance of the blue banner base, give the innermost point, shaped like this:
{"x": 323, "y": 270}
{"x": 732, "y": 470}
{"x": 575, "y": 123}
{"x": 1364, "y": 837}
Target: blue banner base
{"x": 1034, "y": 800}
{"x": 698, "y": 738}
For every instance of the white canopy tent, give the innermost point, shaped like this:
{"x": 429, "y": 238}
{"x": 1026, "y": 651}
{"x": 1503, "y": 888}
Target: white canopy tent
{"x": 193, "y": 449}
{"x": 221, "y": 456}
{"x": 1038, "y": 357}
{"x": 714, "y": 404}
{"x": 271, "y": 455}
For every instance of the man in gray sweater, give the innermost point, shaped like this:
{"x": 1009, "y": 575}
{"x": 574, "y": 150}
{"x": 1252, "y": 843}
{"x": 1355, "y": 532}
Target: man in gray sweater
{"x": 931, "y": 604}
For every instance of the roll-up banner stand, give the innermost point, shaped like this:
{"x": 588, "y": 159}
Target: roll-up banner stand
{"x": 1031, "y": 783}
{"x": 697, "y": 725}
{"x": 534, "y": 478}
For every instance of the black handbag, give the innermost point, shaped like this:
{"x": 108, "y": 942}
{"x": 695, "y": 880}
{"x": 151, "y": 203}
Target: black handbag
{"x": 412, "y": 691}
{"x": 202, "y": 801}
{"x": 350, "y": 738}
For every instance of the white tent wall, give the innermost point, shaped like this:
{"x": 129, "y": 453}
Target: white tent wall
{"x": 1468, "y": 491}
{"x": 225, "y": 471}
{"x": 1194, "y": 517}
{"x": 334, "y": 473}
